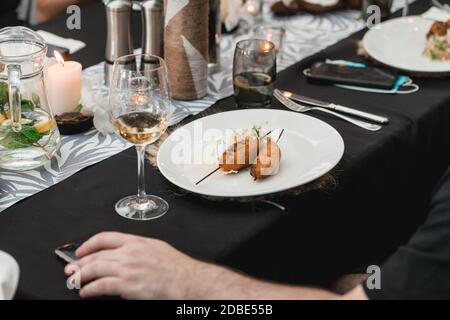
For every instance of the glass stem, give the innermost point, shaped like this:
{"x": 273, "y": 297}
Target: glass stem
{"x": 141, "y": 174}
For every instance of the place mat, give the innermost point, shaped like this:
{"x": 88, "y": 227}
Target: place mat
{"x": 306, "y": 34}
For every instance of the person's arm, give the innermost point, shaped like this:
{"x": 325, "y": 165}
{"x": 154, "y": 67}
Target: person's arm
{"x": 141, "y": 268}
{"x": 222, "y": 284}
{"x": 48, "y": 9}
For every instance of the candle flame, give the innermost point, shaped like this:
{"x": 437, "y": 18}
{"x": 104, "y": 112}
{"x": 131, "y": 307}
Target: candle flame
{"x": 265, "y": 46}
{"x": 58, "y": 57}
{"x": 140, "y": 100}
{"x": 251, "y": 8}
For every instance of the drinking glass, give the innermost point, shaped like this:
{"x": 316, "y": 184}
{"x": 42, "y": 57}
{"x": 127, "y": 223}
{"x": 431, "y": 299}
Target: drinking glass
{"x": 254, "y": 72}
{"x": 140, "y": 108}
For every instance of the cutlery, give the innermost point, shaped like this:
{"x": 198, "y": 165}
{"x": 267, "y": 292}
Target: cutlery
{"x": 301, "y": 108}
{"x": 335, "y": 107}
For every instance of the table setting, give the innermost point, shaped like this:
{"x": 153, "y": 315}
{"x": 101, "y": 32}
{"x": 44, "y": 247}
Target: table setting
{"x": 66, "y": 165}
{"x": 257, "y": 126}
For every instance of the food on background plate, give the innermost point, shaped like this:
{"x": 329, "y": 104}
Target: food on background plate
{"x": 268, "y": 160}
{"x": 438, "y": 41}
{"x": 289, "y": 7}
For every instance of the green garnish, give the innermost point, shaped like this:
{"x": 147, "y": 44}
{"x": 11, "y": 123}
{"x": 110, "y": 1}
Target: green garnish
{"x": 433, "y": 55}
{"x": 26, "y": 105}
{"x": 36, "y": 99}
{"x": 256, "y": 130}
{"x": 78, "y": 108}
{"x": 3, "y": 93}
{"x": 26, "y": 137}
{"x": 441, "y": 45}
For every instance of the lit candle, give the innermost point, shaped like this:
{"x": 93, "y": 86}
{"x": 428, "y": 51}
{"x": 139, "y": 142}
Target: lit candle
{"x": 270, "y": 33}
{"x": 252, "y": 7}
{"x": 140, "y": 100}
{"x": 265, "y": 46}
{"x": 64, "y": 85}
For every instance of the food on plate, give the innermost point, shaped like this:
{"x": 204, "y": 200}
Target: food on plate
{"x": 252, "y": 148}
{"x": 268, "y": 160}
{"x": 240, "y": 154}
{"x": 438, "y": 41}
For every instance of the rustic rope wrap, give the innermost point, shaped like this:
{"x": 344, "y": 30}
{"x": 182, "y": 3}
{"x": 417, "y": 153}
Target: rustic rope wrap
{"x": 186, "y": 47}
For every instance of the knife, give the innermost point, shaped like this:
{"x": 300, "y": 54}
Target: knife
{"x": 336, "y": 107}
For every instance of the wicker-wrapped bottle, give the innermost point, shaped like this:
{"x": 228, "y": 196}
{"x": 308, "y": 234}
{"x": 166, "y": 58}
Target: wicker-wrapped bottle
{"x": 186, "y": 47}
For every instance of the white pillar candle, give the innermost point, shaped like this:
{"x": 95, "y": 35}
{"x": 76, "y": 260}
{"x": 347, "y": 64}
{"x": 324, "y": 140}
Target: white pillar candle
{"x": 64, "y": 85}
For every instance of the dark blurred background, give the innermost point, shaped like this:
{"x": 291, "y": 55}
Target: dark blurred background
{"x": 32, "y": 12}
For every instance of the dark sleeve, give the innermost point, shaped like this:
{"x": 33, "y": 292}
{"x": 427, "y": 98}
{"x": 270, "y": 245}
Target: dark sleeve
{"x": 421, "y": 268}
{"x": 8, "y": 15}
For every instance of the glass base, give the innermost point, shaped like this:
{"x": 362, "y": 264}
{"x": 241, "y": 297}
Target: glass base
{"x": 142, "y": 208}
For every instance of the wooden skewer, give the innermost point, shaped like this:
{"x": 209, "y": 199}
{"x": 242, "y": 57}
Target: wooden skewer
{"x": 218, "y": 168}
{"x": 209, "y": 174}
{"x": 279, "y": 137}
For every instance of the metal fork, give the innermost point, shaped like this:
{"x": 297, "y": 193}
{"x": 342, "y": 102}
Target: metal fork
{"x": 294, "y": 106}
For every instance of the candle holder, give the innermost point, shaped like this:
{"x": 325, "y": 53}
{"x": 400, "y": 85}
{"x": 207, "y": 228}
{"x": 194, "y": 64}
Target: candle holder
{"x": 270, "y": 33}
{"x": 253, "y": 8}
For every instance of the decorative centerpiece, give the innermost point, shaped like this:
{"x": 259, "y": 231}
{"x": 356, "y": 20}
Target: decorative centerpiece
{"x": 186, "y": 47}
{"x": 65, "y": 84}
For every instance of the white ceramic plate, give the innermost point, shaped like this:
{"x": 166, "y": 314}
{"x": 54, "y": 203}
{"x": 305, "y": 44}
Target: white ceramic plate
{"x": 400, "y": 43}
{"x": 309, "y": 148}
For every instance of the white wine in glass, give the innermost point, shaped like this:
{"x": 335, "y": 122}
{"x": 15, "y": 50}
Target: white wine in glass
{"x": 140, "y": 127}
{"x": 140, "y": 108}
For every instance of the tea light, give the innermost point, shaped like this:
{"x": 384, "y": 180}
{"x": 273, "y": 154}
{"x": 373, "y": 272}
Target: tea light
{"x": 64, "y": 85}
{"x": 269, "y": 33}
{"x": 253, "y": 7}
{"x": 140, "y": 100}
{"x": 266, "y": 46}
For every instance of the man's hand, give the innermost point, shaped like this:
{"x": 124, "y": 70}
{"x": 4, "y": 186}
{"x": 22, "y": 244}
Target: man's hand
{"x": 132, "y": 267}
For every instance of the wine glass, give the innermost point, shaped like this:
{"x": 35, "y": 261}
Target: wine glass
{"x": 140, "y": 109}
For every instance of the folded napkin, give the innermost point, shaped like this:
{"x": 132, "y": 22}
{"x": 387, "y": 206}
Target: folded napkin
{"x": 71, "y": 44}
{"x": 437, "y": 14}
{"x": 9, "y": 276}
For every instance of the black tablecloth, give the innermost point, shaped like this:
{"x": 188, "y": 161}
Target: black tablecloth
{"x": 384, "y": 182}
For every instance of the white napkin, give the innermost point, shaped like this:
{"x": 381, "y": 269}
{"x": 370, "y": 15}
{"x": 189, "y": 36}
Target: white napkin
{"x": 96, "y": 104}
{"x": 71, "y": 44}
{"x": 9, "y": 276}
{"x": 437, "y": 14}
{"x": 230, "y": 13}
